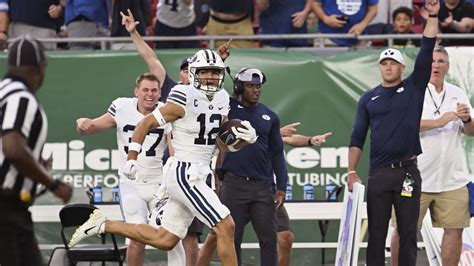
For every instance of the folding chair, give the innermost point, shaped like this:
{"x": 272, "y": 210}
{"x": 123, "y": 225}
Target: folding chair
{"x": 74, "y": 215}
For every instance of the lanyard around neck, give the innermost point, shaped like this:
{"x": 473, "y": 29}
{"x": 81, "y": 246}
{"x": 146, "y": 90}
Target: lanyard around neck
{"x": 440, "y": 104}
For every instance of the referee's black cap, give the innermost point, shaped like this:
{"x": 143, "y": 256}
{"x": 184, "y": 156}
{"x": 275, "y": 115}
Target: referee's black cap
{"x": 26, "y": 51}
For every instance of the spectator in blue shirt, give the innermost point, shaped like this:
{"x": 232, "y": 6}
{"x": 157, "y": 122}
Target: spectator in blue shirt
{"x": 344, "y": 16}
{"x": 87, "y": 18}
{"x": 393, "y": 110}
{"x": 284, "y": 17}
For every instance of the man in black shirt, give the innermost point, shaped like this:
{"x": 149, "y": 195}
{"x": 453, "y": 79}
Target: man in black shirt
{"x": 456, "y": 16}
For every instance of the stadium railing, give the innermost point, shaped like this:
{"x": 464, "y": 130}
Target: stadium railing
{"x": 211, "y": 39}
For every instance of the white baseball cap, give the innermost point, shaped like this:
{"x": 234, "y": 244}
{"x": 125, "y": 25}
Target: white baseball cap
{"x": 252, "y": 75}
{"x": 391, "y": 53}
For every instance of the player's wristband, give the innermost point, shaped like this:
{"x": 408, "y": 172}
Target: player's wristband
{"x": 433, "y": 15}
{"x": 309, "y": 142}
{"x": 135, "y": 147}
{"x": 159, "y": 117}
{"x": 467, "y": 121}
{"x": 351, "y": 172}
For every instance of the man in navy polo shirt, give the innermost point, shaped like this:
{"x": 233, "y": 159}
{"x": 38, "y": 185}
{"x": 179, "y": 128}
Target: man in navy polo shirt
{"x": 247, "y": 187}
{"x": 393, "y": 112}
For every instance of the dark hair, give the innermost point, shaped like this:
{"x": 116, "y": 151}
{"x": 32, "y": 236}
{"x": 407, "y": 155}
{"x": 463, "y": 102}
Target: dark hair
{"x": 404, "y": 10}
{"x": 147, "y": 76}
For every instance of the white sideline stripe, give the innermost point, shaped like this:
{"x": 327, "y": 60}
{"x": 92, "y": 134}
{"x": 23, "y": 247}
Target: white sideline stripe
{"x": 244, "y": 245}
{"x": 296, "y": 211}
{"x": 255, "y": 245}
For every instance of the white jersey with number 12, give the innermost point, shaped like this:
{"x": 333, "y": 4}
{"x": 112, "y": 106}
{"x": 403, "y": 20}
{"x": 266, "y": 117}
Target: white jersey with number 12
{"x": 194, "y": 135}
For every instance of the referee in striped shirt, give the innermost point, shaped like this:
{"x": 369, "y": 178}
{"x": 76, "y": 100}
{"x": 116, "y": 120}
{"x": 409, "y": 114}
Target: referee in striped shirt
{"x": 23, "y": 130}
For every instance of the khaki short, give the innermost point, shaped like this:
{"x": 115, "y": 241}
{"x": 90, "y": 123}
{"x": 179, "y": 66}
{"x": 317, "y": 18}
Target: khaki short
{"x": 449, "y": 209}
{"x": 243, "y": 27}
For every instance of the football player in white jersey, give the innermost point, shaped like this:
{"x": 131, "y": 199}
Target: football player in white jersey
{"x": 124, "y": 114}
{"x": 195, "y": 112}
{"x": 190, "y": 242}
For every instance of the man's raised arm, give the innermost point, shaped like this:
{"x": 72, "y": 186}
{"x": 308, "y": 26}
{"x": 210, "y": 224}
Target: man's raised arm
{"x": 431, "y": 27}
{"x": 154, "y": 65}
{"x": 422, "y": 70}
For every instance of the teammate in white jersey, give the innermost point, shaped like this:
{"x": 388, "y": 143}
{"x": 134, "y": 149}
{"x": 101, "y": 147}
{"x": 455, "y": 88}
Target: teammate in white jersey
{"x": 196, "y": 112}
{"x": 124, "y": 114}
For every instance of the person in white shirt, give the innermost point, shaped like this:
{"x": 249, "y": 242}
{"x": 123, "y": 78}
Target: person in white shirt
{"x": 137, "y": 196}
{"x": 443, "y": 166}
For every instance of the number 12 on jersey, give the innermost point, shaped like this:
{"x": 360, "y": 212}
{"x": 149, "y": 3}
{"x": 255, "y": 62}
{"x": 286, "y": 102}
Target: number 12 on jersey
{"x": 211, "y": 135}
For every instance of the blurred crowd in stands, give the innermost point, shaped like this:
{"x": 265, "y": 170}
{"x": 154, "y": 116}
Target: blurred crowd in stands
{"x": 101, "y": 18}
